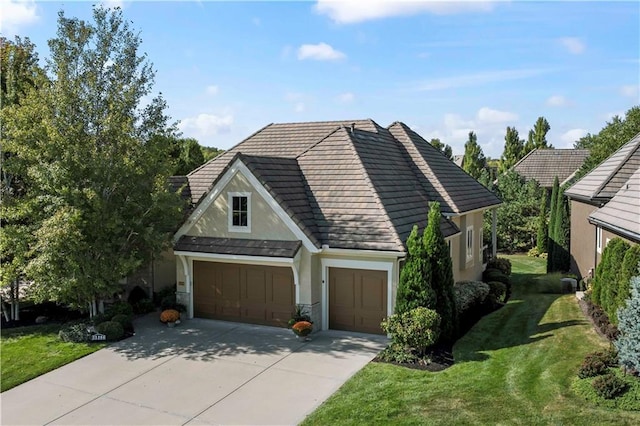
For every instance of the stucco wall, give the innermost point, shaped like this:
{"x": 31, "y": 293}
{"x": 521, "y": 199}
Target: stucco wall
{"x": 583, "y": 239}
{"x": 462, "y": 269}
{"x": 265, "y": 223}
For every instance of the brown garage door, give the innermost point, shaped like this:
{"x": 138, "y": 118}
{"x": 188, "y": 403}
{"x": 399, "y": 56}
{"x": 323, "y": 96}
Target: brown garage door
{"x": 246, "y": 293}
{"x": 357, "y": 299}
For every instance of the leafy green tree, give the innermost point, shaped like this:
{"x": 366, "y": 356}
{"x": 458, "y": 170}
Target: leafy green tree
{"x": 210, "y": 153}
{"x": 437, "y": 255}
{"x": 613, "y": 135}
{"x": 186, "y": 154}
{"x": 630, "y": 268}
{"x": 98, "y": 194}
{"x": 629, "y": 327}
{"x": 513, "y": 149}
{"x": 537, "y": 138}
{"x": 553, "y": 215}
{"x": 542, "y": 234}
{"x": 474, "y": 160}
{"x": 414, "y": 288}
{"x": 443, "y": 148}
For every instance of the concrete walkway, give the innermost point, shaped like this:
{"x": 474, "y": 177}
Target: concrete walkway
{"x": 199, "y": 373}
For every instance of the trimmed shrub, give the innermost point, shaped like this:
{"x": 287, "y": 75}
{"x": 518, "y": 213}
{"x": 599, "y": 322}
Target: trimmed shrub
{"x": 124, "y": 320}
{"x": 414, "y": 288}
{"x": 112, "y": 329}
{"x": 119, "y": 308}
{"x": 604, "y": 290}
{"x": 100, "y": 318}
{"x": 470, "y": 294}
{"x": 491, "y": 274}
{"x": 597, "y": 363}
{"x": 497, "y": 291}
{"x": 417, "y": 329}
{"x": 609, "y": 386}
{"x": 144, "y": 306}
{"x": 630, "y": 268}
{"x": 76, "y": 333}
{"x": 628, "y": 340}
{"x": 501, "y": 264}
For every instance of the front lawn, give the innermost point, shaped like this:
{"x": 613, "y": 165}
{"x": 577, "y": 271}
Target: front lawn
{"x": 515, "y": 366}
{"x": 28, "y": 352}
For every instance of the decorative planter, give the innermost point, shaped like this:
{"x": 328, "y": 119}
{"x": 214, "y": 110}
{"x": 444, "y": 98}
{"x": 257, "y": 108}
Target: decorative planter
{"x": 302, "y": 329}
{"x": 171, "y": 324}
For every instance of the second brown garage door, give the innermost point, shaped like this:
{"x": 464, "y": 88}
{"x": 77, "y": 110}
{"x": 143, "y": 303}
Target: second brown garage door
{"x": 245, "y": 293}
{"x": 357, "y": 299}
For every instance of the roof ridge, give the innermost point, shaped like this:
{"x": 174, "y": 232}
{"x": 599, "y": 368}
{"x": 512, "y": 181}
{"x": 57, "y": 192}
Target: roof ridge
{"x": 322, "y": 121}
{"x": 622, "y": 162}
{"x": 319, "y": 141}
{"x": 372, "y": 189}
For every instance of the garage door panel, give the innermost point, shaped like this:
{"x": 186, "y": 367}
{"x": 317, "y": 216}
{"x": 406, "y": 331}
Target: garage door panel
{"x": 357, "y": 299}
{"x": 245, "y": 293}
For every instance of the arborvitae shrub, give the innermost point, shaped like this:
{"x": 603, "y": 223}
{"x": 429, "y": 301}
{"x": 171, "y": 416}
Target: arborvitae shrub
{"x": 414, "y": 288}
{"x": 551, "y": 240}
{"x": 628, "y": 341}
{"x": 630, "y": 268}
{"x": 543, "y": 231}
{"x": 605, "y": 277}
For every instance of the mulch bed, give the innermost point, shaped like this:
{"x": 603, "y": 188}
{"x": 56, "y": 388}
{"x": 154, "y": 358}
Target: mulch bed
{"x": 439, "y": 358}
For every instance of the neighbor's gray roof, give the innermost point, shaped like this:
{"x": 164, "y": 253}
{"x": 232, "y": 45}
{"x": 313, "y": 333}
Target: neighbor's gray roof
{"x": 602, "y": 183}
{"x": 544, "y": 165}
{"x": 354, "y": 188}
{"x": 622, "y": 213}
{"x": 181, "y": 184}
{"x": 238, "y": 246}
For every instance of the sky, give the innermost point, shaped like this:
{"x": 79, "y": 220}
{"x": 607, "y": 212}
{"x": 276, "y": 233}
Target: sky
{"x": 227, "y": 69}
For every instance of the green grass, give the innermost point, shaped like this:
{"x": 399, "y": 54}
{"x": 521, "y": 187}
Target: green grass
{"x": 516, "y": 366}
{"x": 28, "y": 352}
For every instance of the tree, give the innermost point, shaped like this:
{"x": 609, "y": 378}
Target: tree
{"x": 186, "y": 154}
{"x": 537, "y": 138}
{"x": 474, "y": 160}
{"x": 414, "y": 288}
{"x": 561, "y": 233}
{"x": 444, "y": 149}
{"x": 613, "y": 135}
{"x": 629, "y": 327}
{"x": 630, "y": 268}
{"x": 98, "y": 193}
{"x": 513, "y": 149}
{"x": 603, "y": 290}
{"x": 551, "y": 240}
{"x": 542, "y": 234}
{"x": 210, "y": 152}
{"x": 437, "y": 255}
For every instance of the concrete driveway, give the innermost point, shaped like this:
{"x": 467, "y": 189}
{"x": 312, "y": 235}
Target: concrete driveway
{"x": 199, "y": 373}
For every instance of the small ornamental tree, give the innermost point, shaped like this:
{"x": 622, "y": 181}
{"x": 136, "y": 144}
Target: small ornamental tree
{"x": 541, "y": 240}
{"x": 628, "y": 343}
{"x": 414, "y": 289}
{"x": 551, "y": 240}
{"x": 437, "y": 254}
{"x": 630, "y": 268}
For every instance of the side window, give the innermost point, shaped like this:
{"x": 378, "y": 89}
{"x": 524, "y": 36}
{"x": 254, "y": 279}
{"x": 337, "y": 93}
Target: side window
{"x": 469, "y": 243}
{"x": 599, "y": 239}
{"x": 239, "y": 211}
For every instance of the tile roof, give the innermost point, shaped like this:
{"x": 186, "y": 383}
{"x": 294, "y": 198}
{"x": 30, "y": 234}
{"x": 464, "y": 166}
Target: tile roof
{"x": 602, "y": 183}
{"x": 237, "y": 246}
{"x": 180, "y": 183}
{"x": 544, "y": 165}
{"x": 351, "y": 184}
{"x": 622, "y": 213}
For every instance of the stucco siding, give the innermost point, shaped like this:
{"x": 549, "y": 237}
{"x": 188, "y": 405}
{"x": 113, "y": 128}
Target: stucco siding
{"x": 469, "y": 269}
{"x": 583, "y": 239}
{"x": 265, "y": 223}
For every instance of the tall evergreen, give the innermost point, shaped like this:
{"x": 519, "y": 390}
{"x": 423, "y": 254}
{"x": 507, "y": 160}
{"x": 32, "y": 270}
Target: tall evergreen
{"x": 551, "y": 240}
{"x": 629, "y": 326}
{"x": 437, "y": 254}
{"x": 513, "y": 148}
{"x": 561, "y": 257}
{"x": 474, "y": 159}
{"x": 414, "y": 289}
{"x": 541, "y": 240}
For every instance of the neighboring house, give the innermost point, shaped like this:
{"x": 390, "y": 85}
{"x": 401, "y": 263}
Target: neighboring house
{"x": 458, "y": 160}
{"x": 544, "y": 165}
{"x": 318, "y": 214}
{"x": 605, "y": 204}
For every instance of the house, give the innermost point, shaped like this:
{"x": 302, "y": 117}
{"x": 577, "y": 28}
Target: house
{"x": 318, "y": 214}
{"x": 604, "y": 205}
{"x": 544, "y": 165}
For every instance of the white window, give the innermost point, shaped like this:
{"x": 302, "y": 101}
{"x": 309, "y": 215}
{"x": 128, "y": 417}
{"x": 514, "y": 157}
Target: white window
{"x": 469, "y": 243}
{"x": 599, "y": 239}
{"x": 450, "y": 249}
{"x": 239, "y": 211}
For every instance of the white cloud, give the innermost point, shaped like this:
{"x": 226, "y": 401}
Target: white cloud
{"x": 478, "y": 79}
{"x": 630, "y": 91}
{"x": 206, "y": 125}
{"x": 319, "y": 52}
{"x": 493, "y": 116}
{"x": 16, "y": 14}
{"x": 299, "y": 107}
{"x": 113, "y": 3}
{"x": 557, "y": 101}
{"x": 573, "y": 44}
{"x": 569, "y": 137}
{"x": 353, "y": 11}
{"x": 212, "y": 90}
{"x": 346, "y": 97}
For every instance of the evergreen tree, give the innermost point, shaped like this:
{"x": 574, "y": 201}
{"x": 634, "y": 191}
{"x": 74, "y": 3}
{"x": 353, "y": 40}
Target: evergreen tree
{"x": 513, "y": 148}
{"x": 414, "y": 288}
{"x": 551, "y": 240}
{"x": 443, "y": 148}
{"x": 606, "y": 273}
{"x": 630, "y": 268}
{"x": 542, "y": 234}
{"x": 628, "y": 342}
{"x": 474, "y": 160}
{"x": 537, "y": 138}
{"x": 437, "y": 255}
{"x": 561, "y": 257}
